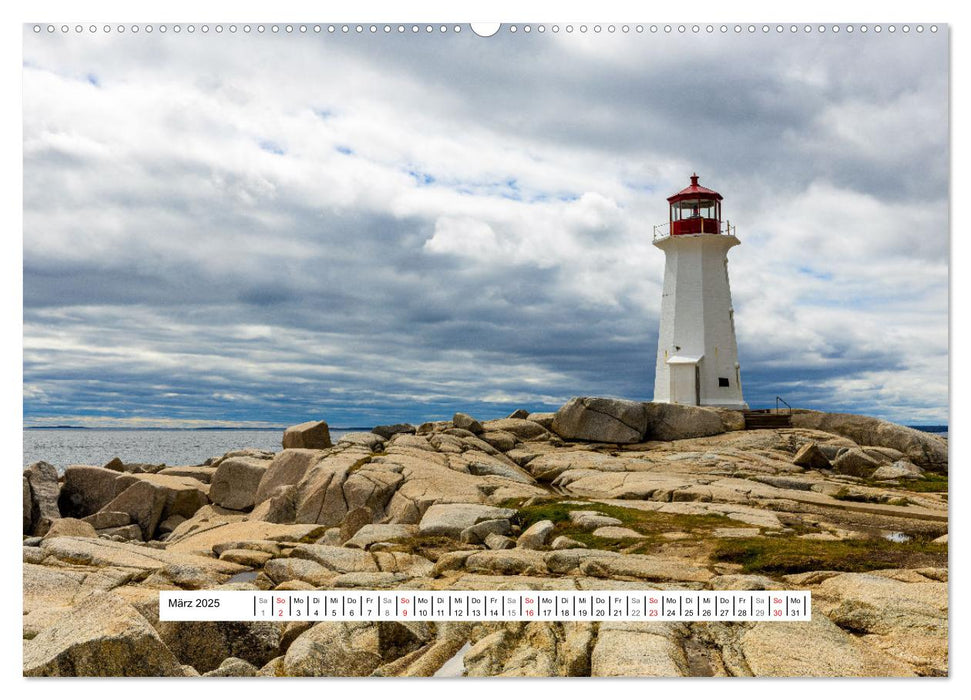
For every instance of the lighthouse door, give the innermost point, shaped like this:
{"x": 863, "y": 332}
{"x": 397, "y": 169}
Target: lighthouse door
{"x": 684, "y": 384}
{"x": 685, "y": 374}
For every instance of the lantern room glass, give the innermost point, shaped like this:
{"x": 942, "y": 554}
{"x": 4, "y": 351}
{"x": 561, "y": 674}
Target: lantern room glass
{"x": 696, "y": 209}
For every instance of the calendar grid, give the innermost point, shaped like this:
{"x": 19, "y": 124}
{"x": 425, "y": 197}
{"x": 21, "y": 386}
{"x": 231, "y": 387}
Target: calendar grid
{"x": 482, "y": 606}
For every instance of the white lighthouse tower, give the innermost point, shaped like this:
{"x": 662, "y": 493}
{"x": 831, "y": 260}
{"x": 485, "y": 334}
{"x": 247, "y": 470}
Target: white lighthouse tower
{"x": 697, "y": 356}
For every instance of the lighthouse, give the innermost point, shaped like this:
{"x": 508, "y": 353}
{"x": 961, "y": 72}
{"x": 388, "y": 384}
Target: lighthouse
{"x": 697, "y": 355}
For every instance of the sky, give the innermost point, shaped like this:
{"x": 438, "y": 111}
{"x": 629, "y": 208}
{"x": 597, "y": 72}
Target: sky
{"x": 259, "y": 229}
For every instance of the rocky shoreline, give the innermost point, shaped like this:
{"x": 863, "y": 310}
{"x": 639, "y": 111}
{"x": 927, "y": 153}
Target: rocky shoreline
{"x": 603, "y": 494}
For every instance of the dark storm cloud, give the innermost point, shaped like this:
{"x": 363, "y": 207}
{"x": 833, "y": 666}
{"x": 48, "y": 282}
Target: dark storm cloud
{"x": 372, "y": 229}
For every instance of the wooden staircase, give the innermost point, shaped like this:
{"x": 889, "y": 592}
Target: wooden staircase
{"x": 765, "y": 418}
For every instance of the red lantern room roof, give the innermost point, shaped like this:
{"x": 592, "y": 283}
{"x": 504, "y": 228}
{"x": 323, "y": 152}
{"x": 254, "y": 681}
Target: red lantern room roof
{"x": 693, "y": 191}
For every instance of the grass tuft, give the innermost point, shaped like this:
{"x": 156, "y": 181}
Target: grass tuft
{"x": 778, "y": 556}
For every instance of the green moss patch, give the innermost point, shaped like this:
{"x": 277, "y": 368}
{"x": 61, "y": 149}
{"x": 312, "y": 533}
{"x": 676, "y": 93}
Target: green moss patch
{"x": 777, "y": 556}
{"x": 929, "y": 483}
{"x": 651, "y": 524}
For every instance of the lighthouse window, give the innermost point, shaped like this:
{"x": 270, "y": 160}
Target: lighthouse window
{"x": 693, "y": 208}
{"x": 723, "y": 381}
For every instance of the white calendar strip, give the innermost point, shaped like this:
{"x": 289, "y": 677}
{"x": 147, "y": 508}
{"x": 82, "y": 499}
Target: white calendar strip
{"x": 479, "y": 606}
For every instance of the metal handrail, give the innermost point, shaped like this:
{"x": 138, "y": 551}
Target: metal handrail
{"x": 779, "y": 399}
{"x": 726, "y": 228}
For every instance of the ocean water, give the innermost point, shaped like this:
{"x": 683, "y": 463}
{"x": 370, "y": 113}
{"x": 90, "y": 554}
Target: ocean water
{"x": 64, "y": 446}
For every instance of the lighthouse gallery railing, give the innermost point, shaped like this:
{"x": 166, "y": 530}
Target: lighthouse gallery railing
{"x": 662, "y": 231}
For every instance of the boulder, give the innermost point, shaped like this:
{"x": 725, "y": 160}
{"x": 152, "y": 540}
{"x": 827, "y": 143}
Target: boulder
{"x": 50, "y": 592}
{"x": 207, "y": 644}
{"x": 289, "y": 569}
{"x": 874, "y": 604}
{"x": 543, "y": 419}
{"x": 923, "y": 449}
{"x": 459, "y": 433}
{"x": 444, "y": 442}
{"x": 105, "y": 636}
{"x": 429, "y": 427}
{"x": 132, "y": 557}
{"x": 509, "y": 562}
{"x": 200, "y": 473}
{"x": 521, "y": 428}
{"x": 106, "y": 519}
{"x": 236, "y": 481}
{"x": 349, "y": 648}
{"x": 287, "y": 468}
{"x": 233, "y": 668}
{"x": 815, "y": 648}
{"x": 884, "y": 455}
{"x": 342, "y": 482}
{"x": 70, "y": 527}
{"x": 340, "y": 559}
{"x": 481, "y": 464}
{"x": 591, "y": 519}
{"x": 183, "y": 495}
{"x": 44, "y": 489}
{"x": 671, "y": 421}
{"x": 612, "y": 532}
{"x": 548, "y": 466}
{"x": 115, "y": 464}
{"x": 251, "y": 452}
{"x": 170, "y": 523}
{"x": 564, "y": 542}
{"x": 494, "y": 541}
{"x": 536, "y": 535}
{"x": 479, "y": 532}
{"x": 855, "y": 462}
{"x": 833, "y": 450}
{"x": 373, "y": 533}
{"x": 281, "y": 507}
{"x": 313, "y": 435}
{"x": 142, "y": 468}
{"x": 638, "y": 566}
{"x": 519, "y": 413}
{"x": 811, "y": 457}
{"x": 211, "y": 534}
{"x": 28, "y": 504}
{"x": 732, "y": 420}
{"x": 601, "y": 420}
{"x": 386, "y": 431}
{"x": 630, "y": 650}
{"x": 467, "y": 422}
{"x": 355, "y": 519}
{"x": 901, "y": 469}
{"x": 372, "y": 441}
{"x": 143, "y": 502}
{"x": 499, "y": 439}
{"x": 86, "y": 490}
{"x": 124, "y": 532}
{"x": 450, "y": 519}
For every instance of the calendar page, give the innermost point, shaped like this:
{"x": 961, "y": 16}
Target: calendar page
{"x": 469, "y": 350}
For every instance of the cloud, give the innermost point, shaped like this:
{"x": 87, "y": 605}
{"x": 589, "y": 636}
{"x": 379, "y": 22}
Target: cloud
{"x": 263, "y": 230}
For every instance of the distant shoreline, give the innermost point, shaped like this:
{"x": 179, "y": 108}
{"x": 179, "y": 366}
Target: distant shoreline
{"x": 241, "y": 428}
{"x": 924, "y": 428}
